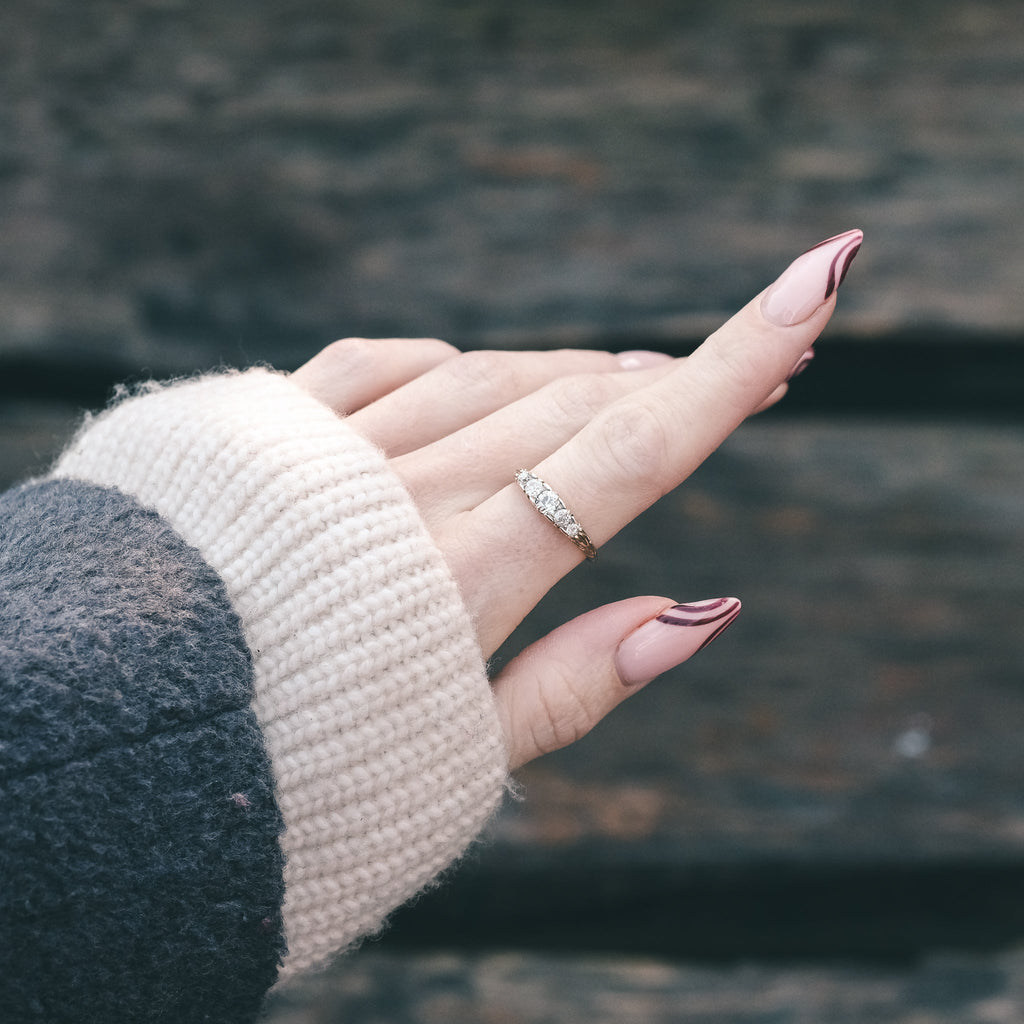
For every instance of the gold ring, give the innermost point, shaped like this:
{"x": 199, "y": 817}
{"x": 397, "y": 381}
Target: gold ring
{"x": 552, "y": 508}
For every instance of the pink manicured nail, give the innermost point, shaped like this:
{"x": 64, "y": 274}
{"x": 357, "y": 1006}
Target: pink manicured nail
{"x": 810, "y": 280}
{"x": 675, "y": 635}
{"x": 641, "y": 359}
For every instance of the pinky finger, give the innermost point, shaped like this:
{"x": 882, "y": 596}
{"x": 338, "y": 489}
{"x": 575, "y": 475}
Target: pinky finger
{"x": 560, "y": 687}
{"x": 780, "y": 392}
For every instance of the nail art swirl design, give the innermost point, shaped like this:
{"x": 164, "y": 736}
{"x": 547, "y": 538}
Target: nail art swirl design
{"x": 722, "y": 610}
{"x": 841, "y": 260}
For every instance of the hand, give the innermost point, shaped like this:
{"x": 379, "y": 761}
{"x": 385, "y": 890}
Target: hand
{"x": 611, "y": 434}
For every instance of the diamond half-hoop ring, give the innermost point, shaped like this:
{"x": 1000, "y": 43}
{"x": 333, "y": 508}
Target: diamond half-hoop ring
{"x": 552, "y": 508}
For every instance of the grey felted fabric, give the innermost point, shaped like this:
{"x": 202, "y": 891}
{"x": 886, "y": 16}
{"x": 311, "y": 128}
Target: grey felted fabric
{"x": 139, "y": 834}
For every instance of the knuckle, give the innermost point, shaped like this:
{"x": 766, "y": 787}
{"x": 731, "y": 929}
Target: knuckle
{"x": 445, "y": 349}
{"x": 566, "y": 717}
{"x": 637, "y": 440}
{"x": 445, "y": 346}
{"x": 582, "y": 395}
{"x": 358, "y": 353}
{"x": 348, "y": 352}
{"x": 740, "y": 372}
{"x": 483, "y": 370}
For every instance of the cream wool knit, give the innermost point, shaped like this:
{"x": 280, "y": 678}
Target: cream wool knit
{"x": 370, "y": 687}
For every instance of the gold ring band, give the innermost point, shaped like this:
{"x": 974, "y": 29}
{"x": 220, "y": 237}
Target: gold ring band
{"x": 552, "y": 508}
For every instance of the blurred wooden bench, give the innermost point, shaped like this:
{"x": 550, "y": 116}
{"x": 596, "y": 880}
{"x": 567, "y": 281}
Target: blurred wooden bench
{"x": 838, "y": 778}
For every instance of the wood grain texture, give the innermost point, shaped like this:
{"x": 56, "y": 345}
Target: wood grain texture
{"x": 182, "y": 184}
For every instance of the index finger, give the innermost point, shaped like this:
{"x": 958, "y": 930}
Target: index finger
{"x": 648, "y": 442}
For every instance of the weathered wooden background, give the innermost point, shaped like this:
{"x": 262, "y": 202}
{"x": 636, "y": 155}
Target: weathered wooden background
{"x": 821, "y": 818}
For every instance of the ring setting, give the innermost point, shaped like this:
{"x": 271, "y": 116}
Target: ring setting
{"x": 551, "y": 506}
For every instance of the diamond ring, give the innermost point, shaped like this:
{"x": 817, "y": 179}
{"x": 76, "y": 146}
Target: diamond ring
{"x": 551, "y": 506}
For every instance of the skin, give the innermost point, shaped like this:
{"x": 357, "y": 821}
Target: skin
{"x": 610, "y": 441}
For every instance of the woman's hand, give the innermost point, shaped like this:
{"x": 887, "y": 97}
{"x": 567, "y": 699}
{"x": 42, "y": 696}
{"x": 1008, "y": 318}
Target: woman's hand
{"x": 611, "y": 434}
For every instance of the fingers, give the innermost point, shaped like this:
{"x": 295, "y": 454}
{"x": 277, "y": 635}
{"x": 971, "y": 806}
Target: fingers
{"x": 462, "y": 391}
{"x": 646, "y": 443}
{"x": 559, "y": 688}
{"x": 525, "y": 431}
{"x": 530, "y": 429}
{"x": 354, "y": 372}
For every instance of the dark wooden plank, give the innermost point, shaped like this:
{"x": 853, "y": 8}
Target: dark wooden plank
{"x": 524, "y": 989}
{"x": 184, "y": 184}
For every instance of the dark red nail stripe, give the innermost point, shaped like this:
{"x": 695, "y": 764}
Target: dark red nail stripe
{"x": 722, "y": 610}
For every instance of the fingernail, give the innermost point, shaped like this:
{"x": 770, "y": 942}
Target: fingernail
{"x": 802, "y": 363}
{"x": 676, "y": 634}
{"x": 640, "y": 359}
{"x": 810, "y": 280}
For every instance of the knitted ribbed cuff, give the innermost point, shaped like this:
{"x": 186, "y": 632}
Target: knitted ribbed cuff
{"x": 370, "y": 686}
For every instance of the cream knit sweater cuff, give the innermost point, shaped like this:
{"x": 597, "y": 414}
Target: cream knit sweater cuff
{"x": 370, "y": 687}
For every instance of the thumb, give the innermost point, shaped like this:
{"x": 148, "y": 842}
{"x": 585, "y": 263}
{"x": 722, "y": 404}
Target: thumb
{"x": 560, "y": 687}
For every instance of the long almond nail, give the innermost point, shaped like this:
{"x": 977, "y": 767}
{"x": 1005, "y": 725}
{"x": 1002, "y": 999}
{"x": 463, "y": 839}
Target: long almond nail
{"x": 810, "y": 280}
{"x": 675, "y": 635}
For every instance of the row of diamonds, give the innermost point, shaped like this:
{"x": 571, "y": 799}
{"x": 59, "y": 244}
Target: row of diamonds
{"x": 548, "y": 503}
